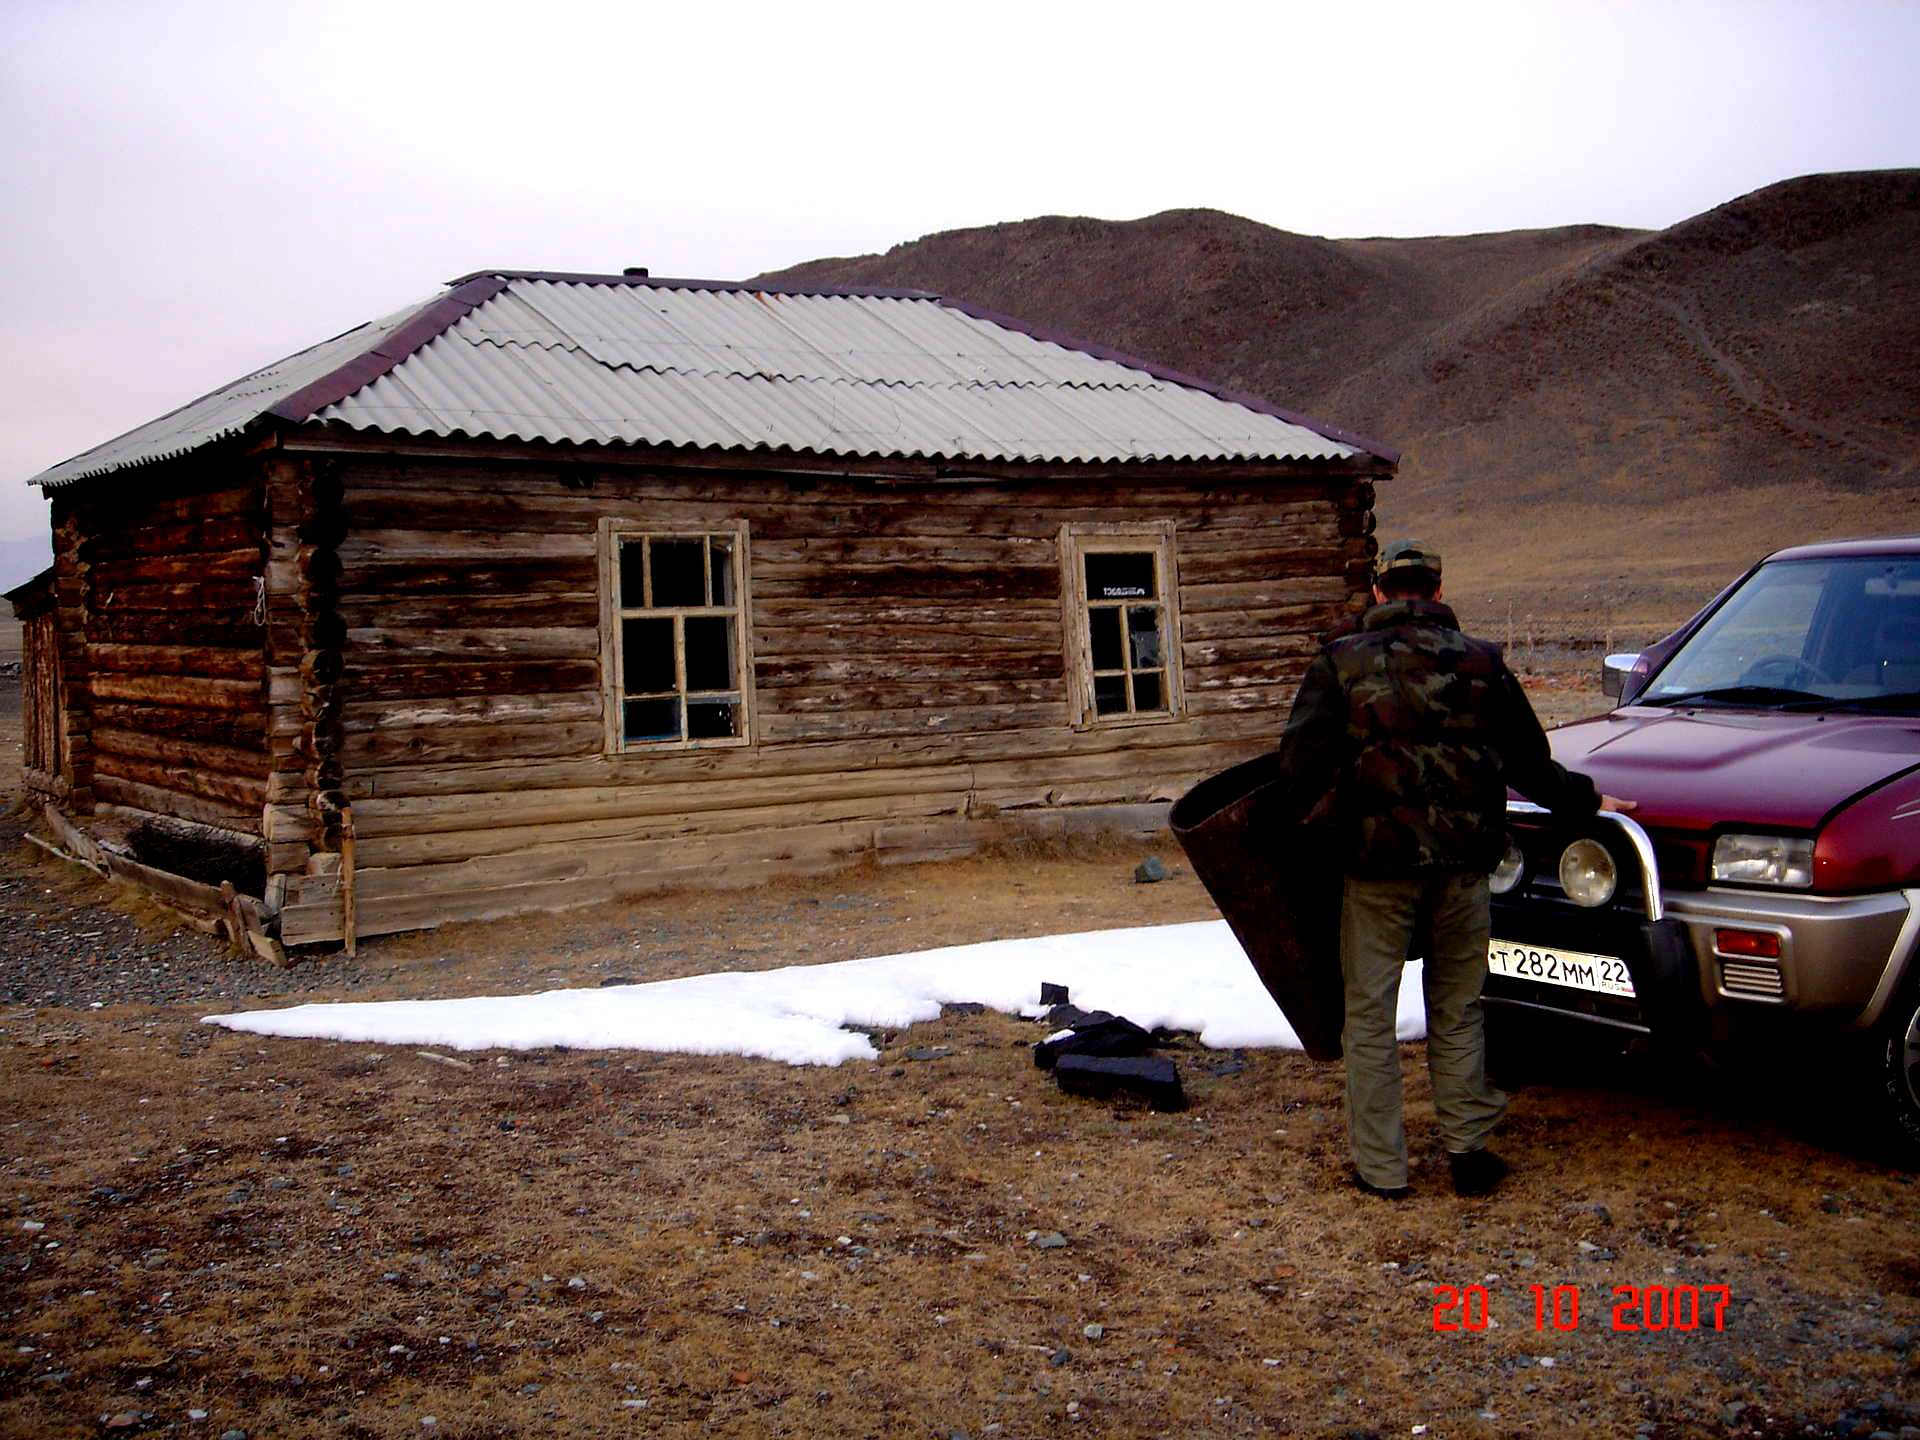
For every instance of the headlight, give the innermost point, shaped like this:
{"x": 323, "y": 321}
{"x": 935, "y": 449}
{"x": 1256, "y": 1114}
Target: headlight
{"x": 1587, "y": 873}
{"x": 1507, "y": 873}
{"x": 1763, "y": 860}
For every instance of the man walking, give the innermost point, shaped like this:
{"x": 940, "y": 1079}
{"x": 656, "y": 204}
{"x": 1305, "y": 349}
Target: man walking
{"x": 1410, "y": 732}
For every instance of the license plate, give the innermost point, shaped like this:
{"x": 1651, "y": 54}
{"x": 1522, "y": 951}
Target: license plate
{"x": 1575, "y": 969}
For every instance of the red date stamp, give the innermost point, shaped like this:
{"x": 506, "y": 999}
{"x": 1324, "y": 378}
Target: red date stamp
{"x": 1635, "y": 1307}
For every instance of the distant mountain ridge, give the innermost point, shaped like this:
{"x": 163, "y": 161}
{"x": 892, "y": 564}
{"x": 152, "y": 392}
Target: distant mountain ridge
{"x": 1592, "y": 418}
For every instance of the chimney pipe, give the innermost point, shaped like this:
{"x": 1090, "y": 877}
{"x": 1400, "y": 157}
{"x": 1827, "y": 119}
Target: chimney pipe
{"x": 635, "y": 272}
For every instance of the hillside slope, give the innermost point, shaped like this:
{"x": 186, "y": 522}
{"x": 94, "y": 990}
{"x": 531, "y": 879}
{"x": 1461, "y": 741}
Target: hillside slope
{"x": 1594, "y": 420}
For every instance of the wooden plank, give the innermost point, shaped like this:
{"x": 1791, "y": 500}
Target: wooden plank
{"x": 447, "y": 744}
{"x": 374, "y": 714}
{"x": 885, "y": 640}
{"x": 772, "y": 554}
{"x": 493, "y": 678}
{"x": 371, "y": 646}
{"x": 770, "y": 615}
{"x": 498, "y": 576}
{"x": 1024, "y": 582}
{"x": 572, "y": 609}
{"x": 1275, "y": 645}
{"x": 205, "y": 599}
{"x": 181, "y": 691}
{"x": 369, "y": 547}
{"x": 241, "y": 790}
{"x": 189, "y": 537}
{"x": 1275, "y": 701}
{"x": 882, "y": 669}
{"x": 782, "y": 729}
{"x": 840, "y": 697}
{"x": 227, "y": 565}
{"x": 155, "y": 801}
{"x": 1328, "y": 588}
{"x": 211, "y": 755}
{"x": 1239, "y": 567}
{"x": 1222, "y": 625}
{"x": 208, "y": 662}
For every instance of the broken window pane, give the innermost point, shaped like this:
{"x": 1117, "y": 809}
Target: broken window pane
{"x": 647, "y": 653}
{"x": 652, "y": 719}
{"x": 1110, "y": 694}
{"x": 1108, "y": 653}
{"x": 713, "y": 719}
{"x": 710, "y": 653}
{"x": 1118, "y": 577}
{"x": 1149, "y": 691}
{"x": 679, "y": 573}
{"x": 720, "y": 557}
{"x": 1143, "y": 633}
{"x": 633, "y": 591}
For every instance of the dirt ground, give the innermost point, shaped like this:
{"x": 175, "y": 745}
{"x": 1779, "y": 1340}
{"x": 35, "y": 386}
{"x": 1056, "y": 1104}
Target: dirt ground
{"x": 203, "y": 1232}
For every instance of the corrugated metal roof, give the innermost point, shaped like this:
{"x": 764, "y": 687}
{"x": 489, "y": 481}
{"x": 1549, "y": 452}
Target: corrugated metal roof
{"x": 226, "y": 411}
{"x": 608, "y": 360}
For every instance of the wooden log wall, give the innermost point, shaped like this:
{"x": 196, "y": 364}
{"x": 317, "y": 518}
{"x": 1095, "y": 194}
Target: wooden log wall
{"x": 162, "y": 649}
{"x": 908, "y": 650}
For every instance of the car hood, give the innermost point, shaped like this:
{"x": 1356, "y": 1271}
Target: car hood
{"x": 1701, "y": 769}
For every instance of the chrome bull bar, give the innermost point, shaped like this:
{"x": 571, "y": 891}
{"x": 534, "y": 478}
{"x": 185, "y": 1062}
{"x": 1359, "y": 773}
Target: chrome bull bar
{"x": 1638, "y": 838}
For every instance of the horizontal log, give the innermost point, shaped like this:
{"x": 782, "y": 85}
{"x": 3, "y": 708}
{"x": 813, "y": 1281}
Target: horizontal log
{"x": 807, "y": 611}
{"x": 1219, "y": 626}
{"x": 231, "y": 565}
{"x": 108, "y": 511}
{"x": 365, "y": 678}
{"x": 905, "y": 550}
{"x": 1273, "y": 701}
{"x": 453, "y": 744}
{"x": 198, "y": 754}
{"x": 189, "y": 538}
{"x": 881, "y": 669}
{"x": 1319, "y": 533}
{"x": 371, "y": 645}
{"x": 201, "y": 600}
{"x": 241, "y": 790}
{"x": 787, "y": 729}
{"x": 229, "y": 632}
{"x": 370, "y": 547}
{"x": 1273, "y": 645}
{"x": 157, "y": 801}
{"x": 947, "y": 583}
{"x": 241, "y": 730}
{"x": 380, "y": 713}
{"x": 575, "y": 608}
{"x": 206, "y": 661}
{"x": 181, "y": 691}
{"x": 1262, "y": 566}
{"x": 1326, "y": 589}
{"x": 446, "y": 579}
{"x": 1243, "y": 673}
{"x": 958, "y": 638}
{"x": 906, "y": 694}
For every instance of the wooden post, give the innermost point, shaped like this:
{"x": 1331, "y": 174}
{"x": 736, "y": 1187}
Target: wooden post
{"x": 348, "y": 919}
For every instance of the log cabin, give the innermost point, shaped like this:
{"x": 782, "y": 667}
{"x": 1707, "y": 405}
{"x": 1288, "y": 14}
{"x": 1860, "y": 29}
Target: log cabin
{"x": 555, "y": 588}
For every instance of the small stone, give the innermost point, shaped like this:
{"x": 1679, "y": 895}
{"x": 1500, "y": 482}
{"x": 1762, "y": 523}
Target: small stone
{"x": 145, "y": 1382}
{"x": 1049, "y": 1240}
{"x": 1587, "y": 1247}
{"x": 1093, "y": 1332}
{"x": 839, "y": 1119}
{"x": 1062, "y": 1356}
{"x": 280, "y": 1182}
{"x": 33, "y": 1226}
{"x": 578, "y": 1282}
{"x": 234, "y": 1434}
{"x": 125, "y": 1420}
{"x": 196, "y": 1414}
{"x": 1149, "y": 871}
{"x": 427, "y": 1422}
{"x": 929, "y": 1052}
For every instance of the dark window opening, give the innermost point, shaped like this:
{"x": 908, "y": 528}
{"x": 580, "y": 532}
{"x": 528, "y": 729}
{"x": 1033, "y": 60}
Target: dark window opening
{"x": 680, "y": 665}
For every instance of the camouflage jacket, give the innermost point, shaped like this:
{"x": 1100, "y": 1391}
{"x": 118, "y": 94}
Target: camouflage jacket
{"x": 1405, "y": 737}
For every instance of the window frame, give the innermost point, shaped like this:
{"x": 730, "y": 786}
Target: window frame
{"x": 616, "y": 531}
{"x": 1077, "y": 541}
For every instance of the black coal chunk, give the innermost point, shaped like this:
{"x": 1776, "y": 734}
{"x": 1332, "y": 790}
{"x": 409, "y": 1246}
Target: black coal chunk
{"x": 1052, "y": 994}
{"x": 1072, "y": 1017}
{"x": 1103, "y": 1077}
{"x": 1115, "y": 1035}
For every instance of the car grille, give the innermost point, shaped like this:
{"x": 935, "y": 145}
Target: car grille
{"x": 1683, "y": 863}
{"x": 1755, "y": 978}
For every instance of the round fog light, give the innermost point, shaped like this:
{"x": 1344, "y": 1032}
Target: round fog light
{"x": 1507, "y": 873}
{"x": 1587, "y": 873}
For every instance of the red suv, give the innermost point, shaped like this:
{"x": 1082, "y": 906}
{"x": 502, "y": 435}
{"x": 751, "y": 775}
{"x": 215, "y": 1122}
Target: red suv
{"x": 1771, "y": 872}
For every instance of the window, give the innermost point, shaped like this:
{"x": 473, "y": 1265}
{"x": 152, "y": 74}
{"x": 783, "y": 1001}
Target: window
{"x": 674, "y": 638}
{"x": 1121, "y": 623}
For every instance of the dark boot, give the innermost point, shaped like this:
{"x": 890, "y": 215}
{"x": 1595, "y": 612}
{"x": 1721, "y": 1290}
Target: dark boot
{"x": 1476, "y": 1172}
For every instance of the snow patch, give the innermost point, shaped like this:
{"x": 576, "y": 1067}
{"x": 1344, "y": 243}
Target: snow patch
{"x": 1184, "y": 977}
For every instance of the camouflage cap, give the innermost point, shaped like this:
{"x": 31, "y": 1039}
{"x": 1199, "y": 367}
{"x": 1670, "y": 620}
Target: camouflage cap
{"x": 1408, "y": 554}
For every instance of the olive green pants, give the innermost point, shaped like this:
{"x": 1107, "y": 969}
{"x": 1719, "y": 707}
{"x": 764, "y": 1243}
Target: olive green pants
{"x": 1378, "y": 919}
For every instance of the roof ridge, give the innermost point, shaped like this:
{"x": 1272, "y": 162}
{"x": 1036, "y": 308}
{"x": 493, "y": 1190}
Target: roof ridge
{"x": 667, "y": 282}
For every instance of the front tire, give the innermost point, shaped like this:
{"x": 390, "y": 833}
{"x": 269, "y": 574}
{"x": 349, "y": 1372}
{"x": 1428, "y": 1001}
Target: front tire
{"x": 1897, "y": 1063}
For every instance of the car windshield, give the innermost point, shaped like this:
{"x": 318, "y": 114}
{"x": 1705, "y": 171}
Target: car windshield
{"x": 1813, "y": 634}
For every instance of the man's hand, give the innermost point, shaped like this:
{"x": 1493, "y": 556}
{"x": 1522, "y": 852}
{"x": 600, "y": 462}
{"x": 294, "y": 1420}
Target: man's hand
{"x": 1617, "y": 805}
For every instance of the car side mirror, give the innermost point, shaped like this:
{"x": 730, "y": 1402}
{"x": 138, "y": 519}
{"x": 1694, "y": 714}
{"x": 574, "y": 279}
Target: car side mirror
{"x": 1621, "y": 676}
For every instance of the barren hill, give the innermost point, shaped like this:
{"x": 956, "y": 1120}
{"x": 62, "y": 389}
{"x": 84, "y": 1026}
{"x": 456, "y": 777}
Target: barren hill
{"x": 1594, "y": 420}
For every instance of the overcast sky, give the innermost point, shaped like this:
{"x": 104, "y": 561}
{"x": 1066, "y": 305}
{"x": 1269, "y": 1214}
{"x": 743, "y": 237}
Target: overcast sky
{"x": 192, "y": 190}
